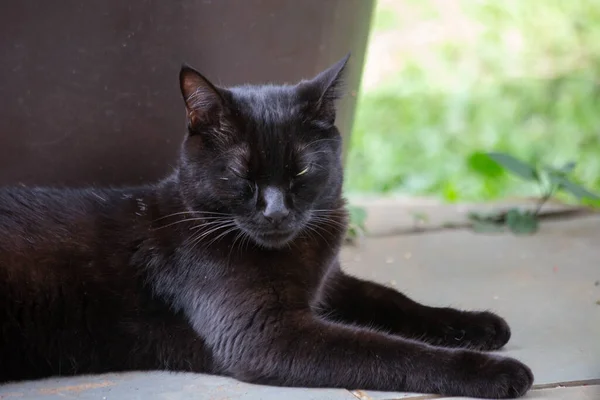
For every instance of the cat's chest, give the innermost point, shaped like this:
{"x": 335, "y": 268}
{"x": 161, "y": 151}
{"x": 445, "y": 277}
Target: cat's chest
{"x": 295, "y": 273}
{"x": 197, "y": 279}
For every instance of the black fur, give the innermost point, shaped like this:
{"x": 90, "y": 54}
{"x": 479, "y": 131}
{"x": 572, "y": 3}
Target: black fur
{"x": 229, "y": 266}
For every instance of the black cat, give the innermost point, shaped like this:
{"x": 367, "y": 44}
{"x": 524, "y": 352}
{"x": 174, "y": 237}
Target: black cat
{"x": 229, "y": 266}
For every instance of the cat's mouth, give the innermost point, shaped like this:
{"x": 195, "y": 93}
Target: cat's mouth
{"x": 270, "y": 238}
{"x": 274, "y": 239}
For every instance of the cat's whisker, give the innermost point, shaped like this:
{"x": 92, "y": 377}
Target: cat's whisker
{"x": 198, "y": 237}
{"x": 203, "y": 234}
{"x": 313, "y": 229}
{"x": 217, "y": 238}
{"x": 328, "y": 213}
{"x": 246, "y": 242}
{"x": 328, "y": 226}
{"x": 186, "y": 220}
{"x": 215, "y": 221}
{"x": 207, "y": 225}
{"x": 325, "y": 218}
{"x": 237, "y": 237}
{"x": 328, "y": 210}
{"x": 329, "y": 221}
{"x": 312, "y": 235}
{"x": 191, "y": 212}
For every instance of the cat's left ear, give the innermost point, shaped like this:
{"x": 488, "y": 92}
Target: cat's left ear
{"x": 322, "y": 92}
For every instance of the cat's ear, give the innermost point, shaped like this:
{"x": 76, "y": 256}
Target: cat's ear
{"x": 322, "y": 91}
{"x": 203, "y": 102}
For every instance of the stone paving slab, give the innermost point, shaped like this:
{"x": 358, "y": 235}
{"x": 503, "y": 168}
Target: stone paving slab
{"x": 579, "y": 392}
{"x": 546, "y": 286}
{"x": 591, "y": 392}
{"x": 160, "y": 386}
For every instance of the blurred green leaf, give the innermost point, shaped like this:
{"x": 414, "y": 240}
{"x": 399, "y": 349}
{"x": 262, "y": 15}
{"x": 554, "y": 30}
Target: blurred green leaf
{"x": 568, "y": 167}
{"x": 561, "y": 171}
{"x": 591, "y": 203}
{"x": 522, "y": 222}
{"x": 515, "y": 166}
{"x": 358, "y": 216}
{"x": 356, "y": 227}
{"x": 483, "y": 164}
{"x": 574, "y": 188}
{"x": 450, "y": 192}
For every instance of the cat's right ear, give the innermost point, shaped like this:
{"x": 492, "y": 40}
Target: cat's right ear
{"x": 203, "y": 102}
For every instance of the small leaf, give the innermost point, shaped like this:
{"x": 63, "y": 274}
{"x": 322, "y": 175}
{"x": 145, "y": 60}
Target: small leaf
{"x": 354, "y": 235}
{"x": 568, "y": 167}
{"x": 561, "y": 171}
{"x": 484, "y": 165}
{"x": 358, "y": 216}
{"x": 521, "y": 222}
{"x": 575, "y": 189}
{"x": 515, "y": 166}
{"x": 551, "y": 171}
{"x": 450, "y": 193}
{"x": 591, "y": 203}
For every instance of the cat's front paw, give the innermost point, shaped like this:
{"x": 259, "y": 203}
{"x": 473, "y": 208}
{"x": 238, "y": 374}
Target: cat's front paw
{"x": 503, "y": 378}
{"x": 487, "y": 376}
{"x": 476, "y": 330}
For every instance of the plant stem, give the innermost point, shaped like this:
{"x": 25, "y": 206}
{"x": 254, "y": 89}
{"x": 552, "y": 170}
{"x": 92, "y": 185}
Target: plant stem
{"x": 547, "y": 195}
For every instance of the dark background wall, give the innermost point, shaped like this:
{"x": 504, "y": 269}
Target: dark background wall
{"x": 89, "y": 91}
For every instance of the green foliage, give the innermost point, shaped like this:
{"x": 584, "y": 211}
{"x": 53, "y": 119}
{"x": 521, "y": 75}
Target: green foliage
{"x": 522, "y": 222}
{"x": 356, "y": 226}
{"x": 524, "y": 81}
{"x": 561, "y": 182}
{"x": 487, "y": 223}
{"x": 515, "y": 166}
{"x": 481, "y": 163}
{"x": 549, "y": 179}
{"x": 519, "y": 222}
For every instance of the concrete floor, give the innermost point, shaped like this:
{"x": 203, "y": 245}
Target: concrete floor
{"x": 547, "y": 286}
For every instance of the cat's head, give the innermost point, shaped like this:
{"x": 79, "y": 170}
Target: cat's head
{"x": 267, "y": 157}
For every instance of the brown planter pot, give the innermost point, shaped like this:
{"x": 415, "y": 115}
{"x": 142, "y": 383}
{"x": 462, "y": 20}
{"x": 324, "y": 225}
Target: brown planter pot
{"x": 90, "y": 91}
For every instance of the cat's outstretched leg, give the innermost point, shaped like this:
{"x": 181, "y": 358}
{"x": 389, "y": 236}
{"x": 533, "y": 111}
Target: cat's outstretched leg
{"x": 300, "y": 349}
{"x": 351, "y": 300}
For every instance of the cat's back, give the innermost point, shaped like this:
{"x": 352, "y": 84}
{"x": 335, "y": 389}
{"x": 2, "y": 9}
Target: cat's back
{"x": 33, "y": 218}
{"x": 24, "y": 205}
{"x": 53, "y": 230}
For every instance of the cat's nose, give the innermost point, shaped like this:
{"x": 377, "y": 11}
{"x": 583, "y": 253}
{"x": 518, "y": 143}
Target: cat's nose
{"x": 276, "y": 217}
{"x": 275, "y": 210}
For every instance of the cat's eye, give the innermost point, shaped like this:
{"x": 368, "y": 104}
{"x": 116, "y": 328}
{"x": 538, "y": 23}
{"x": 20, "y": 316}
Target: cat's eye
{"x": 238, "y": 173}
{"x": 304, "y": 171}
